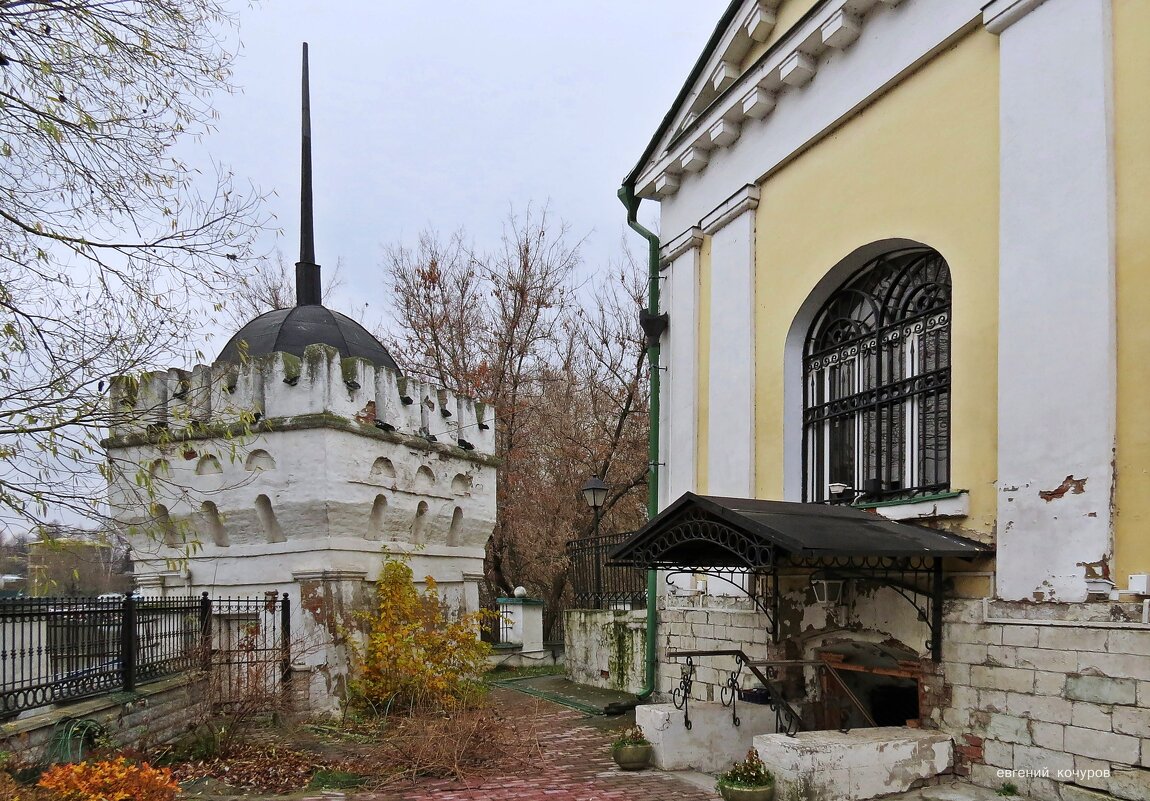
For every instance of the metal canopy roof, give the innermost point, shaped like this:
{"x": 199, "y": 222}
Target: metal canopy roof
{"x": 743, "y": 532}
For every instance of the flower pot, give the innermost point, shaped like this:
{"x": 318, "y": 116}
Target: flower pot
{"x": 632, "y": 757}
{"x": 733, "y": 792}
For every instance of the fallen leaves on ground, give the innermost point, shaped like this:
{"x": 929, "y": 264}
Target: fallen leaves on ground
{"x": 256, "y": 766}
{"x": 463, "y": 747}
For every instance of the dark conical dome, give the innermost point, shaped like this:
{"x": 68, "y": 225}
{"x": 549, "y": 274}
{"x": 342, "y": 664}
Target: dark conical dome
{"x": 292, "y": 330}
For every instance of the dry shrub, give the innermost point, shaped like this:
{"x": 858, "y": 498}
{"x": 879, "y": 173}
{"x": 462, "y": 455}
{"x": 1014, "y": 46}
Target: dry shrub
{"x": 458, "y": 746}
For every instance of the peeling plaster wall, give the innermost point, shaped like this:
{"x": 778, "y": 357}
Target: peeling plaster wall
{"x": 1057, "y": 374}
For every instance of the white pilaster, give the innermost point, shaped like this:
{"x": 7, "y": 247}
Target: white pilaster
{"x": 680, "y": 397}
{"x": 731, "y": 405}
{"x": 1056, "y": 380}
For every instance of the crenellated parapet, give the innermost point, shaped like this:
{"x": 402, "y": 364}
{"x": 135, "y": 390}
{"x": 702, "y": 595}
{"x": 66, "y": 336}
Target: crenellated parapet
{"x": 279, "y": 390}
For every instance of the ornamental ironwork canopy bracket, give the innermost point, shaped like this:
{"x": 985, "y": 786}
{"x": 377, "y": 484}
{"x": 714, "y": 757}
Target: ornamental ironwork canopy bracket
{"x": 758, "y": 541}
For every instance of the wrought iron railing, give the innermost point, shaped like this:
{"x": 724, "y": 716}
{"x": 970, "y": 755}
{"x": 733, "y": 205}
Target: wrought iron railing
{"x": 250, "y": 647}
{"x": 61, "y": 649}
{"x": 787, "y": 719}
{"x": 598, "y": 585}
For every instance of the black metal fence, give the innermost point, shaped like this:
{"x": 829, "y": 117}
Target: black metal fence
{"x": 61, "y": 649}
{"x": 250, "y": 647}
{"x": 596, "y": 584}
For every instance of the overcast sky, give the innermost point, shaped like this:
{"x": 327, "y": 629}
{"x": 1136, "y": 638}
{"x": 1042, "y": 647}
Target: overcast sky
{"x": 447, "y": 114}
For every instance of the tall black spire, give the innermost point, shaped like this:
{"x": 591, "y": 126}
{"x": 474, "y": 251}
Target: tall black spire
{"x": 307, "y": 286}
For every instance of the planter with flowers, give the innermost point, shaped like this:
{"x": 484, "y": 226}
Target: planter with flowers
{"x": 748, "y": 780}
{"x": 632, "y": 750}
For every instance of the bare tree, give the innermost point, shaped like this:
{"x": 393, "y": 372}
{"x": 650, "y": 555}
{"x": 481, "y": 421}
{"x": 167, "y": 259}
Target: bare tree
{"x": 111, "y": 250}
{"x": 567, "y": 383}
{"x": 269, "y": 284}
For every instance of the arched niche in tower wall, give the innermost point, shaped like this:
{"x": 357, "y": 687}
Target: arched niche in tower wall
{"x": 456, "y": 526}
{"x": 165, "y": 527}
{"x": 267, "y": 516}
{"x": 375, "y": 521}
{"x": 208, "y": 465}
{"x": 461, "y": 484}
{"x": 424, "y": 479}
{"x": 382, "y": 470}
{"x": 419, "y": 525}
{"x": 259, "y": 460}
{"x": 214, "y": 525}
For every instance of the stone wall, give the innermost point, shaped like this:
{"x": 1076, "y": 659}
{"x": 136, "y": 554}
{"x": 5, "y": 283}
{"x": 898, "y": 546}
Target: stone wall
{"x": 710, "y": 623}
{"x": 156, "y": 713}
{"x": 1044, "y": 697}
{"x": 605, "y": 648}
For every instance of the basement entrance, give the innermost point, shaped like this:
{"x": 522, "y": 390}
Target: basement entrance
{"x": 884, "y": 678}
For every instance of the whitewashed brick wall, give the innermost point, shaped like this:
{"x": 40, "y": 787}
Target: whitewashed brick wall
{"x": 1061, "y": 711}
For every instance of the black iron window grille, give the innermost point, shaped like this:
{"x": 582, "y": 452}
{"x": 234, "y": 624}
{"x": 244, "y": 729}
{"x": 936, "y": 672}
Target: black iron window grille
{"x": 876, "y": 379}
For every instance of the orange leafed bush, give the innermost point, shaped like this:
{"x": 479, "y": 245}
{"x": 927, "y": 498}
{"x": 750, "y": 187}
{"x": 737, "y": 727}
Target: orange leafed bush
{"x": 414, "y": 655}
{"x": 113, "y": 780}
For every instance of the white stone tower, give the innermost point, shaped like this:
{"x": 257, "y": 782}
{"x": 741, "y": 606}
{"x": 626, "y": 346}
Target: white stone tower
{"x": 295, "y": 463}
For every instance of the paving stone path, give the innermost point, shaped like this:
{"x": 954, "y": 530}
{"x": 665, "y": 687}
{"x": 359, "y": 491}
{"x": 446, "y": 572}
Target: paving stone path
{"x": 575, "y": 765}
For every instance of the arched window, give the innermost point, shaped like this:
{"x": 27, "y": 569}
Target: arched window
{"x": 876, "y": 382}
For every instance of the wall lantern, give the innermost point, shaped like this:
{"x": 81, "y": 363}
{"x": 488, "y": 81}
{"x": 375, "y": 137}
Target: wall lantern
{"x": 827, "y": 590}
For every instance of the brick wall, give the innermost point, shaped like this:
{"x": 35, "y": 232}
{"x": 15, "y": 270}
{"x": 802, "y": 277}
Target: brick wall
{"x": 606, "y": 648}
{"x": 711, "y": 623}
{"x": 1061, "y": 711}
{"x": 157, "y": 713}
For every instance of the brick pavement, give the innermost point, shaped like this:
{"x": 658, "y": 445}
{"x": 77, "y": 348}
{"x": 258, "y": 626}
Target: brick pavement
{"x": 575, "y": 765}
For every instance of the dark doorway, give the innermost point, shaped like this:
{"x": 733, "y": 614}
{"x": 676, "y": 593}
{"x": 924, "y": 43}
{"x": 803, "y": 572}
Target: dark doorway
{"x": 884, "y": 679}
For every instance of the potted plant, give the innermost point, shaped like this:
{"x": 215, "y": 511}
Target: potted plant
{"x": 632, "y": 750}
{"x": 748, "y": 780}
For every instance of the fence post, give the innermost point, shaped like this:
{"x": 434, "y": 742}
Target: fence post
{"x": 206, "y": 630}
{"x": 128, "y": 643}
{"x": 285, "y": 639}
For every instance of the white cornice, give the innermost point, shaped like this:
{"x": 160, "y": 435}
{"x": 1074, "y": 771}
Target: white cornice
{"x": 746, "y": 199}
{"x": 329, "y": 575}
{"x": 691, "y": 238}
{"x": 999, "y": 15}
{"x": 791, "y": 65}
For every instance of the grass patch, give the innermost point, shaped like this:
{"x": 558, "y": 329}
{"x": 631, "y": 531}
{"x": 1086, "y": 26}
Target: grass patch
{"x": 325, "y": 779}
{"x": 506, "y": 673}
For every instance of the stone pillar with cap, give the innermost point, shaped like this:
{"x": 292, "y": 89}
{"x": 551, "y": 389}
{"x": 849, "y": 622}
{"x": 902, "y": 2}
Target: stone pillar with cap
{"x": 522, "y": 621}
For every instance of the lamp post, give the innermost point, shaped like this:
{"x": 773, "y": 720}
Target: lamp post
{"x": 595, "y": 494}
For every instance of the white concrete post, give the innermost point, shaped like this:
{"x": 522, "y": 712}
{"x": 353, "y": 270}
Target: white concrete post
{"x": 526, "y": 622}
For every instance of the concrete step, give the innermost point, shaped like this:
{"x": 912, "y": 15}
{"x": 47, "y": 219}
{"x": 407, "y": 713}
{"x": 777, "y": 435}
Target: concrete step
{"x": 856, "y": 765}
{"x": 955, "y": 792}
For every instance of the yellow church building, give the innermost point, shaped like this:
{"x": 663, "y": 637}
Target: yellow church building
{"x": 903, "y": 261}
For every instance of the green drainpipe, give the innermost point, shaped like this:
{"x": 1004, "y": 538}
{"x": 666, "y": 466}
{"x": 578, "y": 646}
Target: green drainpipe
{"x": 627, "y": 196}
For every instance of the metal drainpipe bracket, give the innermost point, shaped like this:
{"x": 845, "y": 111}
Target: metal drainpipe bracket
{"x": 653, "y": 325}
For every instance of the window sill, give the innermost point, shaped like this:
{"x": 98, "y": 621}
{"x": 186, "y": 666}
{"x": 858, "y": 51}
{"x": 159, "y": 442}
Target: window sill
{"x": 929, "y": 507}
